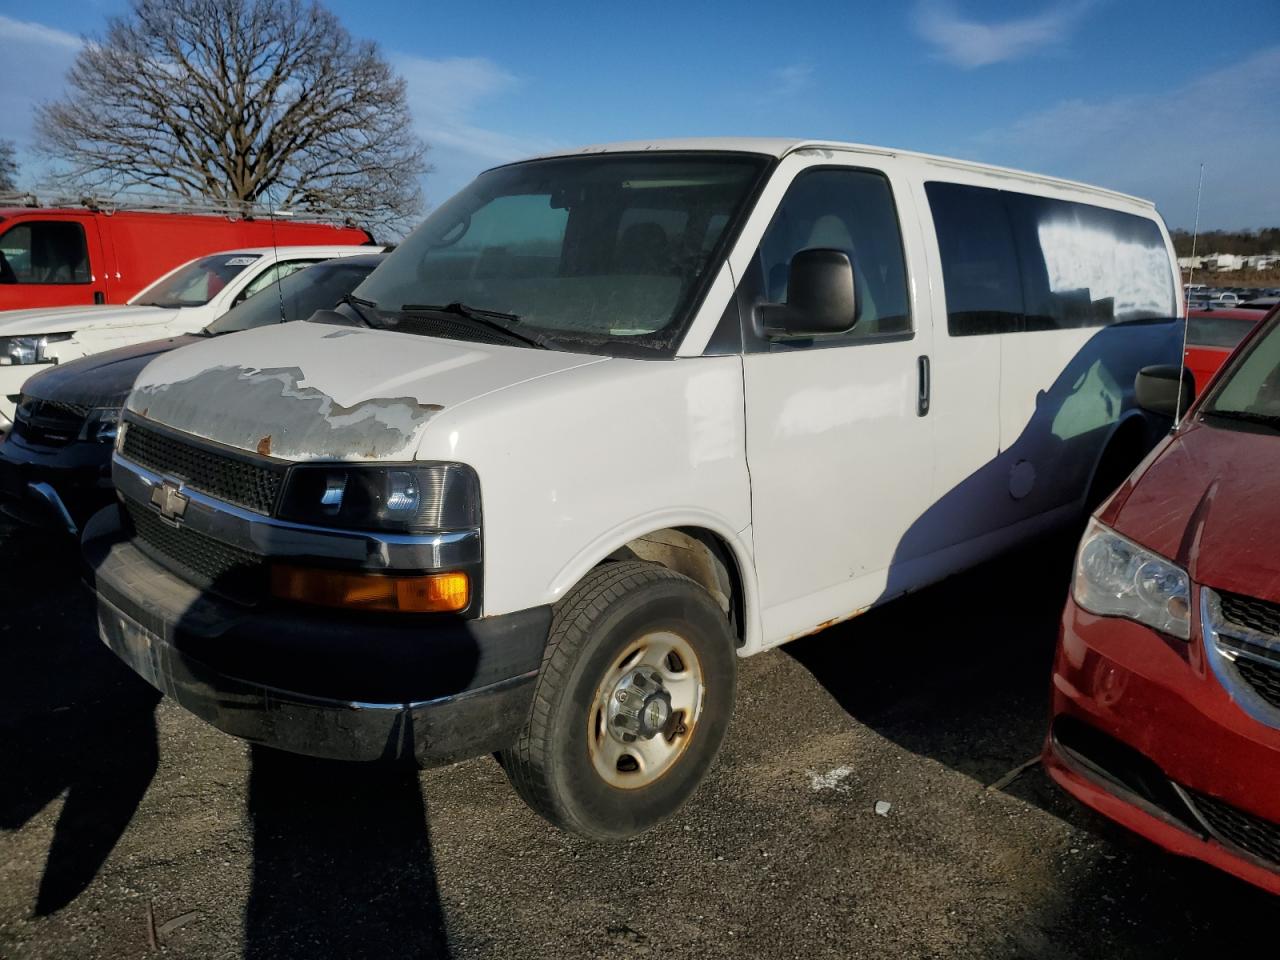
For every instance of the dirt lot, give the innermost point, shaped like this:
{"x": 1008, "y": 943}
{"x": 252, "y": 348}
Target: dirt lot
{"x": 130, "y": 827}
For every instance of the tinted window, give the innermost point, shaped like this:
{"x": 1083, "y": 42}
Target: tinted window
{"x": 197, "y": 283}
{"x": 1216, "y": 331}
{"x": 277, "y": 271}
{"x": 301, "y": 294}
{"x": 50, "y": 251}
{"x": 852, "y": 211}
{"x": 979, "y": 259}
{"x": 1014, "y": 262}
{"x": 1086, "y": 266}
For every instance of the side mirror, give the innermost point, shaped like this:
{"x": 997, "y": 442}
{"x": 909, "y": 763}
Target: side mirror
{"x": 1157, "y": 389}
{"x": 821, "y": 297}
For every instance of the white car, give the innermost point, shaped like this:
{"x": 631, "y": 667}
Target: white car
{"x": 608, "y": 421}
{"x": 184, "y": 300}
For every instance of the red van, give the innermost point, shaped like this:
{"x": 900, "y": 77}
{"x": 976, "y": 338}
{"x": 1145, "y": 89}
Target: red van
{"x": 54, "y": 257}
{"x": 1166, "y": 683}
{"x": 1211, "y": 336}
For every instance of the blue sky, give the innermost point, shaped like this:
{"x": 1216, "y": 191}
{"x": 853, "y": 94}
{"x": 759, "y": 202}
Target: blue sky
{"x": 1130, "y": 94}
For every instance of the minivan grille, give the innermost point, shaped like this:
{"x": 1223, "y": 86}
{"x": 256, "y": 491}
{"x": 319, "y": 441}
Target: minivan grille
{"x": 204, "y": 561}
{"x": 254, "y": 486}
{"x": 1248, "y": 832}
{"x": 49, "y": 422}
{"x": 1264, "y": 679}
{"x": 1260, "y": 615}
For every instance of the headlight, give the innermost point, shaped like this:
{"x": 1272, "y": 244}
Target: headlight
{"x": 414, "y": 498}
{"x": 18, "y": 350}
{"x": 1117, "y": 578}
{"x": 101, "y": 425}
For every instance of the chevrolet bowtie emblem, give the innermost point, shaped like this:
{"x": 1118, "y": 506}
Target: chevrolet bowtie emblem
{"x": 166, "y": 498}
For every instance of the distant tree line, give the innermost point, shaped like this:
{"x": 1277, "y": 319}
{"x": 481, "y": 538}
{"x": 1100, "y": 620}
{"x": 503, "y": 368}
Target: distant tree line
{"x": 8, "y": 167}
{"x": 1243, "y": 242}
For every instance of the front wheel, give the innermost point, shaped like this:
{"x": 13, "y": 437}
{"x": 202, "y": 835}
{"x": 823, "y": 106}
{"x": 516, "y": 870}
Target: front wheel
{"x": 632, "y": 702}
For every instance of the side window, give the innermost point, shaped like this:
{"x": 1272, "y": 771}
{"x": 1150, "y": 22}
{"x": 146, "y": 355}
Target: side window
{"x": 277, "y": 271}
{"x": 1087, "y": 266}
{"x": 979, "y": 260}
{"x": 44, "y": 251}
{"x": 852, "y": 211}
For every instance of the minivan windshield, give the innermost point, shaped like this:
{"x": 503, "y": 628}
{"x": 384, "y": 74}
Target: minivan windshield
{"x": 600, "y": 253}
{"x": 1250, "y": 390}
{"x": 197, "y": 283}
{"x": 296, "y": 297}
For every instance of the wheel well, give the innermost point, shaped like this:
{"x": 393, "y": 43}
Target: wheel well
{"x": 700, "y": 555}
{"x": 1125, "y": 449}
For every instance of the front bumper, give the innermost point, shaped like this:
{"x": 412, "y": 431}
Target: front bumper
{"x": 1144, "y": 734}
{"x": 358, "y": 688}
{"x": 79, "y": 472}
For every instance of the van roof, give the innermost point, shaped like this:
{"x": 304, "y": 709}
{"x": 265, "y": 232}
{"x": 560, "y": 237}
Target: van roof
{"x": 781, "y": 146}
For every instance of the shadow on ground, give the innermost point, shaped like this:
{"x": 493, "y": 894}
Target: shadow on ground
{"x": 342, "y": 862}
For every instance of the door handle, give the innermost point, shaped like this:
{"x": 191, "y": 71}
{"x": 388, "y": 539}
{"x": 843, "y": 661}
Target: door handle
{"x": 99, "y": 297}
{"x": 922, "y": 396}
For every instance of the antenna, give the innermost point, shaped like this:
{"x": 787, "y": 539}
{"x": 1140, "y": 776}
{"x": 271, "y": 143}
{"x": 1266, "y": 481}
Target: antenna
{"x": 275, "y": 250}
{"x": 1186, "y": 302}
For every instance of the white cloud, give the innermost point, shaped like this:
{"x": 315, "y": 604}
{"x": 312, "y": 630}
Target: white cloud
{"x": 1153, "y": 145}
{"x": 443, "y": 95}
{"x": 27, "y": 32}
{"x": 786, "y": 82}
{"x": 969, "y": 43}
{"x": 33, "y": 63}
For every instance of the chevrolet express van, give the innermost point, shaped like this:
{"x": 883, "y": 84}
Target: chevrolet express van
{"x": 610, "y": 420}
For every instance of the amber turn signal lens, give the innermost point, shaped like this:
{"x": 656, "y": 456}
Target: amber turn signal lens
{"x": 419, "y": 593}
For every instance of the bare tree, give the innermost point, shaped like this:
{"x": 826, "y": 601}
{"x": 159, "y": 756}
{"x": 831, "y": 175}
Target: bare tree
{"x": 8, "y": 167}
{"x": 238, "y": 101}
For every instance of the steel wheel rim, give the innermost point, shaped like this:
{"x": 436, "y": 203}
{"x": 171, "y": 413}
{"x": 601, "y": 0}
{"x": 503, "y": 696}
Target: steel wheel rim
{"x": 630, "y": 765}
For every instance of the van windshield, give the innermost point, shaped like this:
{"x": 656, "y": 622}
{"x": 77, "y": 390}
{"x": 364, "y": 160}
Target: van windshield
{"x": 605, "y": 253}
{"x": 1250, "y": 391}
{"x": 197, "y": 283}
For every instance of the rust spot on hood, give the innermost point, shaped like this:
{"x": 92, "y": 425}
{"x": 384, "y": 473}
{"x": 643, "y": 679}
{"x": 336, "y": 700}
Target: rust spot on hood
{"x": 264, "y": 446}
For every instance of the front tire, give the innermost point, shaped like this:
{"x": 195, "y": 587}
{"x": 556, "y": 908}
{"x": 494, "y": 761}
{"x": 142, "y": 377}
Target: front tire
{"x": 632, "y": 702}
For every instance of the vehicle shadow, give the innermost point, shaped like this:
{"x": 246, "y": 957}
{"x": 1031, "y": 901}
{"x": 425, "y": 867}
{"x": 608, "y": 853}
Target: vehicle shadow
{"x": 342, "y": 862}
{"x": 68, "y": 707}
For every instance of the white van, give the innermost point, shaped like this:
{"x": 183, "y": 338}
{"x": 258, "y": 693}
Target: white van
{"x": 607, "y": 421}
{"x": 185, "y": 300}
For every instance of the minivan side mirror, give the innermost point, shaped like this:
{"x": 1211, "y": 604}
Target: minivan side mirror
{"x": 1156, "y": 389}
{"x": 820, "y": 297}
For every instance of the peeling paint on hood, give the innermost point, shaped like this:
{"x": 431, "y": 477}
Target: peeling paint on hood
{"x": 298, "y": 392}
{"x": 271, "y": 412}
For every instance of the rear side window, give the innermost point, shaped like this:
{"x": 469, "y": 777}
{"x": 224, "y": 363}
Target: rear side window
{"x": 979, "y": 259}
{"x": 1013, "y": 262}
{"x": 1216, "y": 331}
{"x": 44, "y": 251}
{"x": 852, "y": 211}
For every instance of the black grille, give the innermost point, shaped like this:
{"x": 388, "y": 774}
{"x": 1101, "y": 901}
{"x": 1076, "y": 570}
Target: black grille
{"x": 240, "y": 481}
{"x": 49, "y": 422}
{"x": 1244, "y": 830}
{"x": 1259, "y": 615}
{"x": 202, "y": 560}
{"x": 1265, "y": 680}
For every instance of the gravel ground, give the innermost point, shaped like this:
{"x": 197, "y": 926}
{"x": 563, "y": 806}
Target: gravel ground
{"x": 129, "y": 827}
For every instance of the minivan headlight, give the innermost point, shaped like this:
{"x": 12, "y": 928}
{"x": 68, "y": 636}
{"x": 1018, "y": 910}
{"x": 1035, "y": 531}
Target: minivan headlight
{"x": 1117, "y": 578}
{"x": 22, "y": 350}
{"x": 412, "y": 498}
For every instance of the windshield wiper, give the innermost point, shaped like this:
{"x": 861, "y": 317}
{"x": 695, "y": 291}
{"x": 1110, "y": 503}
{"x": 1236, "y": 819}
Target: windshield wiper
{"x": 1247, "y": 416}
{"x": 493, "y": 319}
{"x": 356, "y": 303}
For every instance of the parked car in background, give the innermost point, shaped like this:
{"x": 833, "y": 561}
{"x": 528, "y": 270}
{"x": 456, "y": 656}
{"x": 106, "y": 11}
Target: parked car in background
{"x": 183, "y": 301}
{"x": 1166, "y": 686}
{"x": 1259, "y": 303}
{"x": 1211, "y": 336}
{"x": 619, "y": 417}
{"x": 69, "y": 256}
{"x": 55, "y": 464}
{"x": 1225, "y": 298}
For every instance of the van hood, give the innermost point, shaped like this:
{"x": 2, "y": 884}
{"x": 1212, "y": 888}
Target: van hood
{"x": 20, "y": 323}
{"x": 101, "y": 379}
{"x": 311, "y": 391}
{"x": 1208, "y": 501}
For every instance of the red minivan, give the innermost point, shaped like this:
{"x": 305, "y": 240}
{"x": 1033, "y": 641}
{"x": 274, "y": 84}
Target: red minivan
{"x": 68, "y": 257}
{"x": 1166, "y": 682}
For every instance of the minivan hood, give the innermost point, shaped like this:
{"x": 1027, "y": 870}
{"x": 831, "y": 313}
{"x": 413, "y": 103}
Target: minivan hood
{"x": 101, "y": 379}
{"x": 311, "y": 391}
{"x": 18, "y": 323}
{"x": 1208, "y": 501}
